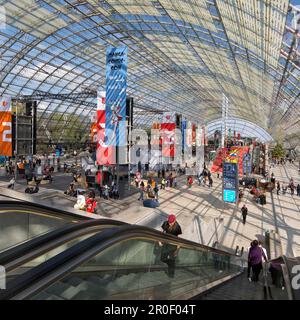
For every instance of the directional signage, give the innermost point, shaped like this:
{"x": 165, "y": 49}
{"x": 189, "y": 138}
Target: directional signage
{"x": 230, "y": 182}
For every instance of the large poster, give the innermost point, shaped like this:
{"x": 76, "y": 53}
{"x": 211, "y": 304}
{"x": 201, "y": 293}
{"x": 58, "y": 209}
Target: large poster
{"x": 5, "y": 127}
{"x": 106, "y": 154}
{"x": 168, "y": 134}
{"x": 116, "y": 74}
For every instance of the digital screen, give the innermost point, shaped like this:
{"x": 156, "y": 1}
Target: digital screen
{"x": 229, "y": 183}
{"x": 229, "y": 195}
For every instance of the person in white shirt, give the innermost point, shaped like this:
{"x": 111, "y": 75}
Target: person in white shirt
{"x": 260, "y": 244}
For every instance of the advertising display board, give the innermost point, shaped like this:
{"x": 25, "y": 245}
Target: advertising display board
{"x": 116, "y": 84}
{"x": 230, "y": 182}
{"x": 5, "y": 127}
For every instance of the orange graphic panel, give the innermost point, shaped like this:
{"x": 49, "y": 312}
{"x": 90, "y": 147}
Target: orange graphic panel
{"x": 5, "y": 134}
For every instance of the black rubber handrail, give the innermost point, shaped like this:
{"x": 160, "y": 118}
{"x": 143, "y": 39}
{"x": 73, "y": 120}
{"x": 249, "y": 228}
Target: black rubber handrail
{"x": 28, "y": 248}
{"x": 57, "y": 267}
{"x": 48, "y": 209}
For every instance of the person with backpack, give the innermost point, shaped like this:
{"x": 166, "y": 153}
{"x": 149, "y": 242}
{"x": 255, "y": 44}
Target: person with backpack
{"x": 170, "y": 251}
{"x": 244, "y": 213}
{"x": 255, "y": 256}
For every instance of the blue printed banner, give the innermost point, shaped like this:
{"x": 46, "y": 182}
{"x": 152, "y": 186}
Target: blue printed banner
{"x": 183, "y": 128}
{"x": 247, "y": 163}
{"x": 116, "y": 84}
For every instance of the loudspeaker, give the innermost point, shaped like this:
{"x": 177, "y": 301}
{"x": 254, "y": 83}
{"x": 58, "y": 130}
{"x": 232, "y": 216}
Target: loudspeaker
{"x": 28, "y": 108}
{"x": 129, "y": 111}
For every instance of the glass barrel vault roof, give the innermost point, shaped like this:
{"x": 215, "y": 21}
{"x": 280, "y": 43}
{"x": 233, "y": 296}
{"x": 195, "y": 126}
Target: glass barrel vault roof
{"x": 183, "y": 56}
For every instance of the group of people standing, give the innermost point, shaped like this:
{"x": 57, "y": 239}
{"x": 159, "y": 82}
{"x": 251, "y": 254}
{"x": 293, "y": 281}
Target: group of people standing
{"x": 291, "y": 186}
{"x": 204, "y": 177}
{"x": 150, "y": 188}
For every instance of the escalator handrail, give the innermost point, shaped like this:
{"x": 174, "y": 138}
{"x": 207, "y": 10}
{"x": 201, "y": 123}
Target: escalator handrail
{"x": 286, "y": 278}
{"x": 14, "y": 253}
{"x": 44, "y": 207}
{"x": 57, "y": 267}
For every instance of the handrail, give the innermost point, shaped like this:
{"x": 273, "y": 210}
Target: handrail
{"x": 43, "y": 207}
{"x": 285, "y": 277}
{"x": 24, "y": 252}
{"x": 55, "y": 268}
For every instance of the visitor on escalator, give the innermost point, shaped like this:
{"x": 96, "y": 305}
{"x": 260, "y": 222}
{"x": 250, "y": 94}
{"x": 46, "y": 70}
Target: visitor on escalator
{"x": 256, "y": 254}
{"x": 169, "y": 251}
{"x": 249, "y": 265}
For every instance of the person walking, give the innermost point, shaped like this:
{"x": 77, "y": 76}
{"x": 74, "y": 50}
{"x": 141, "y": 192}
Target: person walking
{"x": 142, "y": 189}
{"x": 292, "y": 187}
{"x": 278, "y": 187}
{"x": 210, "y": 182}
{"x": 155, "y": 189}
{"x": 163, "y": 184}
{"x": 255, "y": 257}
{"x": 175, "y": 182}
{"x": 244, "y": 213}
{"x": 190, "y": 181}
{"x": 170, "y": 251}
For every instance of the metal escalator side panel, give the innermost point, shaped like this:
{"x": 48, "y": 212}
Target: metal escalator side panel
{"x": 8, "y": 256}
{"x": 56, "y": 268}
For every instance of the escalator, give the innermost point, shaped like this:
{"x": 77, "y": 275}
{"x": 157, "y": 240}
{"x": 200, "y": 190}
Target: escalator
{"x": 124, "y": 262}
{"x": 21, "y": 221}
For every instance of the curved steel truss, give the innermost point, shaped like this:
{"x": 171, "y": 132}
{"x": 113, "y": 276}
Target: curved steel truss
{"x": 183, "y": 56}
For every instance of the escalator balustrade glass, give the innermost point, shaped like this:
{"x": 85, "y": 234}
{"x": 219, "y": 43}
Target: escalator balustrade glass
{"x": 142, "y": 269}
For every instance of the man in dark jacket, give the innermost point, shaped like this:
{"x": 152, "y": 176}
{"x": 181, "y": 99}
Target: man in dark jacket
{"x": 170, "y": 251}
{"x": 244, "y": 213}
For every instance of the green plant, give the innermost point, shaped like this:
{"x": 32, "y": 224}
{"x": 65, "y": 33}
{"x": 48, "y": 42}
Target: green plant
{"x": 278, "y": 151}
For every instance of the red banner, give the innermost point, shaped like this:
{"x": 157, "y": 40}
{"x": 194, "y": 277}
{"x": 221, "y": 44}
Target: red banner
{"x": 106, "y": 155}
{"x": 5, "y": 127}
{"x": 168, "y": 134}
